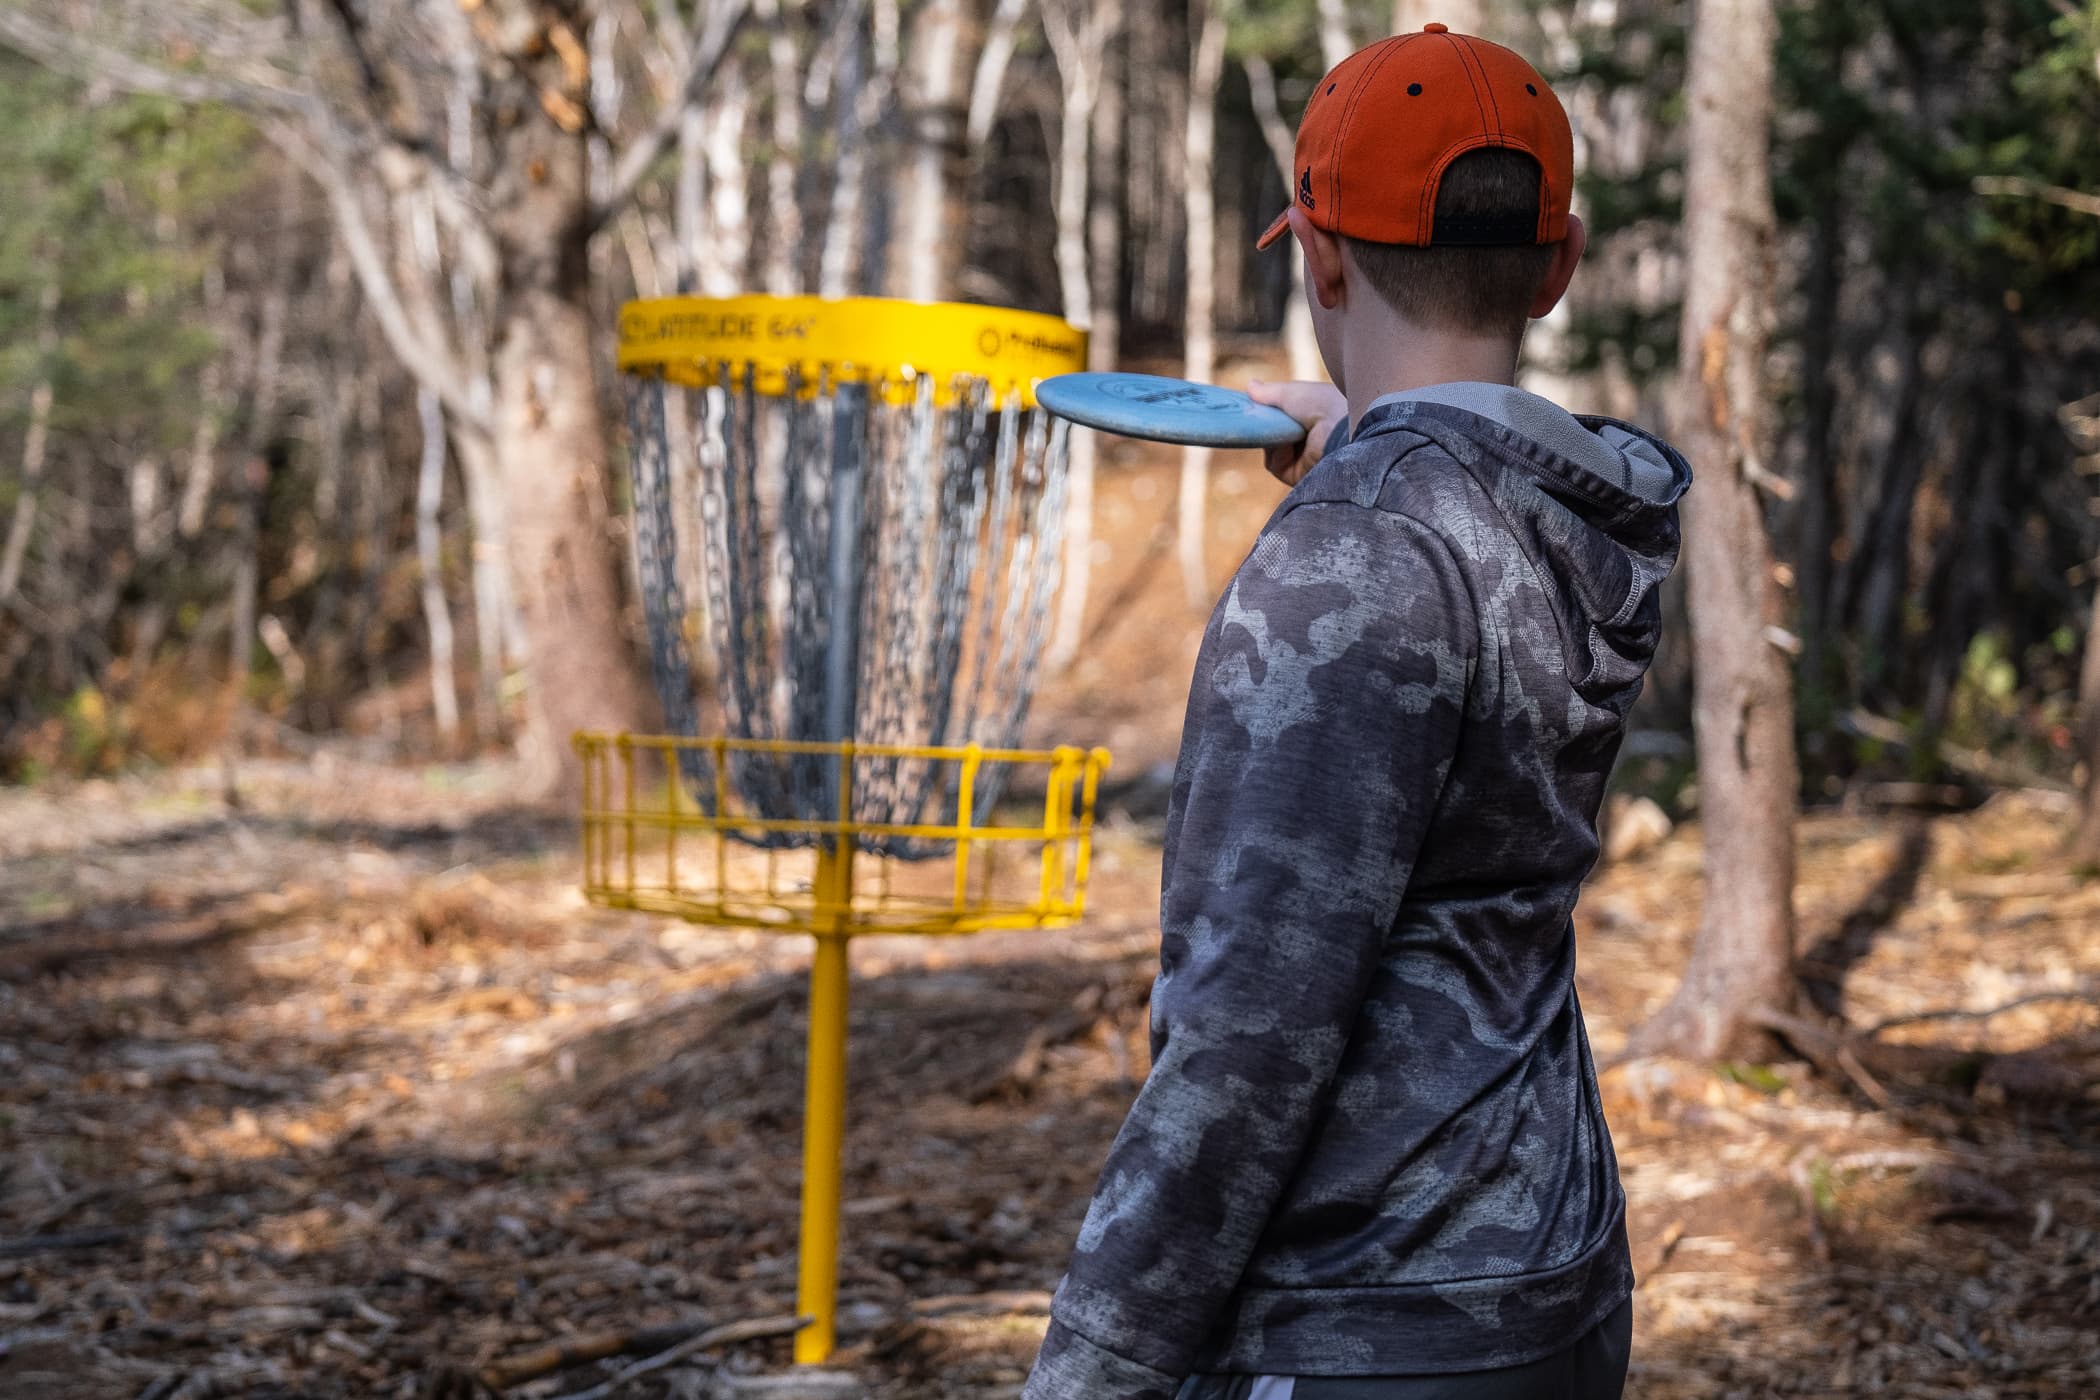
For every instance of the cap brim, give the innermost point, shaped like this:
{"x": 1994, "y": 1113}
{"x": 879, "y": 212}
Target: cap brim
{"x": 1274, "y": 231}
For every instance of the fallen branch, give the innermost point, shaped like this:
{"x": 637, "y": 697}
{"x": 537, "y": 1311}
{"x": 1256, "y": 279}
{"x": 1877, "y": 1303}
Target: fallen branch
{"x": 1857, "y": 1073}
{"x": 1826, "y": 1048}
{"x": 1958, "y": 1014}
{"x": 749, "y": 1330}
{"x": 29, "y": 1246}
{"x": 591, "y": 1346}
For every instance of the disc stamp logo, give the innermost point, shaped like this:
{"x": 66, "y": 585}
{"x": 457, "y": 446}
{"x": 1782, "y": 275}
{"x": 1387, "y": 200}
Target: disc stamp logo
{"x": 1170, "y": 393}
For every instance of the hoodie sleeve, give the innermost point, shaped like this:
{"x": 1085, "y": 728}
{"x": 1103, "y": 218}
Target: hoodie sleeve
{"x": 1323, "y": 718}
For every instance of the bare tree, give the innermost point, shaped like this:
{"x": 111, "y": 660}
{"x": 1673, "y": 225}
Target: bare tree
{"x": 1080, "y": 34}
{"x": 783, "y": 213}
{"x": 1743, "y": 706}
{"x": 1336, "y": 41}
{"x": 35, "y": 446}
{"x": 857, "y": 100}
{"x": 437, "y": 616}
{"x": 371, "y": 102}
{"x": 254, "y": 477}
{"x": 1297, "y": 317}
{"x": 931, "y": 222}
{"x": 2082, "y": 421}
{"x": 1001, "y": 33}
{"x": 1199, "y": 356}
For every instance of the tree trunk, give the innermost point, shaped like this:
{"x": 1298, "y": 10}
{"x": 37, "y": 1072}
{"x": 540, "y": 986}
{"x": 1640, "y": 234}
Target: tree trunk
{"x": 437, "y": 616}
{"x": 783, "y": 214}
{"x": 2085, "y": 842}
{"x": 255, "y": 478}
{"x": 727, "y": 246}
{"x": 850, "y": 101}
{"x": 689, "y": 202}
{"x": 35, "y": 445}
{"x": 1091, "y": 116}
{"x": 1743, "y": 717}
{"x": 1816, "y": 526}
{"x": 2082, "y": 420}
{"x": 203, "y": 455}
{"x": 1884, "y": 550}
{"x": 993, "y": 59}
{"x": 1298, "y": 336}
{"x": 1153, "y": 172}
{"x": 549, "y": 441}
{"x": 1336, "y": 42}
{"x": 932, "y": 225}
{"x": 498, "y": 632}
{"x": 1206, "y": 64}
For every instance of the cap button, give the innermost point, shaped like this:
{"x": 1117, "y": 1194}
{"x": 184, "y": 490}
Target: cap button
{"x": 1434, "y": 28}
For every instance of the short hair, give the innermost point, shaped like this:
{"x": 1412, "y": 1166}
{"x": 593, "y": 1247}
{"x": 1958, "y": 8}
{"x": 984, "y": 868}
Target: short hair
{"x": 1462, "y": 287}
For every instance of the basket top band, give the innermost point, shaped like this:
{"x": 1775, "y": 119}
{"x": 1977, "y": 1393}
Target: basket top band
{"x": 852, "y": 340}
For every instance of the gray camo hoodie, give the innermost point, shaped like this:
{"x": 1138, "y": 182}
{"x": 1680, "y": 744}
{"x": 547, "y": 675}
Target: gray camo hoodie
{"x": 1371, "y": 1142}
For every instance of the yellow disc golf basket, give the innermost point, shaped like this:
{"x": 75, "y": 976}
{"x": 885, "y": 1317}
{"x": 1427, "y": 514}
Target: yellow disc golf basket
{"x": 847, "y": 518}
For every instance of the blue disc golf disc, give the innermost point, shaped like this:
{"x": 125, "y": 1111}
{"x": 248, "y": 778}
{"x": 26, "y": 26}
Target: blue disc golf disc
{"x": 1167, "y": 410}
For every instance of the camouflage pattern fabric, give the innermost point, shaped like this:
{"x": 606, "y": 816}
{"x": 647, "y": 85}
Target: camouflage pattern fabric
{"x": 1594, "y": 1368}
{"x": 1371, "y": 1141}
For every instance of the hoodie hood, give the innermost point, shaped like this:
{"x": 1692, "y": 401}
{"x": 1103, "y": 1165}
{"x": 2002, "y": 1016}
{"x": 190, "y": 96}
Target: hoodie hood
{"x": 1590, "y": 501}
{"x": 1638, "y": 463}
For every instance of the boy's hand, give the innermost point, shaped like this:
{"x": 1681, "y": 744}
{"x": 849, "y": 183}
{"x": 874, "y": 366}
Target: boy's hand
{"x": 1318, "y": 405}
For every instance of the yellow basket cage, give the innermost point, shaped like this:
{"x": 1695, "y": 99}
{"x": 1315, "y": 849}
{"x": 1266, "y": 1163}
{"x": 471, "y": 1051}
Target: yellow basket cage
{"x": 648, "y": 844}
{"x": 898, "y": 451}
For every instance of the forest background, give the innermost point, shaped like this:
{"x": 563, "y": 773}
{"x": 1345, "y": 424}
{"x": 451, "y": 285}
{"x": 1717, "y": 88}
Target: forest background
{"x": 307, "y": 416}
{"x": 254, "y": 326}
{"x": 215, "y": 457}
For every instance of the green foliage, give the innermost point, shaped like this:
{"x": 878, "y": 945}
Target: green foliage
{"x": 1628, "y": 66}
{"x": 1279, "y": 30}
{"x": 116, "y": 209}
{"x": 1893, "y": 109}
{"x": 2016, "y": 701}
{"x": 1761, "y": 1078}
{"x": 98, "y": 188}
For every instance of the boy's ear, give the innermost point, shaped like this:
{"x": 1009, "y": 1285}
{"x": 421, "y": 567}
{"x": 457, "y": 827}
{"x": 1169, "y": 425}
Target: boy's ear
{"x": 1566, "y": 254}
{"x": 1323, "y": 258}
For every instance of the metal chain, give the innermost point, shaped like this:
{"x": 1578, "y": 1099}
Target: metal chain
{"x": 961, "y": 515}
{"x": 663, "y": 593}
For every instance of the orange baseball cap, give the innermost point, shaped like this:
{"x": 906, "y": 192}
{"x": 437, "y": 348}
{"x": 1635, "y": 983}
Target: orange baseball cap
{"x": 1383, "y": 126}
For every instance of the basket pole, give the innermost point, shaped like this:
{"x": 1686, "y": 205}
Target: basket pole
{"x": 824, "y": 1096}
{"x": 824, "y": 1117}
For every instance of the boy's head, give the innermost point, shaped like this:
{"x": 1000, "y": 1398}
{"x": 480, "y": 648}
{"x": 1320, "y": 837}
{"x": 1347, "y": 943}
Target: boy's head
{"x": 1434, "y": 171}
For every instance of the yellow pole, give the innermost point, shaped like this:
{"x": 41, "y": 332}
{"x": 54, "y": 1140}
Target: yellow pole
{"x": 824, "y": 1112}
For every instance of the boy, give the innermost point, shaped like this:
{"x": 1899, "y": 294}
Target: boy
{"x": 1370, "y": 1162}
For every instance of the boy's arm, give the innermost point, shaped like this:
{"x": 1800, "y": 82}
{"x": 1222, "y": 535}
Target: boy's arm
{"x": 1323, "y": 719}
